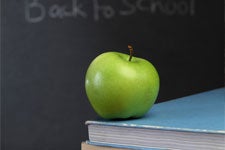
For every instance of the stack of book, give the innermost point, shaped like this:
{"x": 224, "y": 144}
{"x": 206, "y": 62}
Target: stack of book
{"x": 191, "y": 122}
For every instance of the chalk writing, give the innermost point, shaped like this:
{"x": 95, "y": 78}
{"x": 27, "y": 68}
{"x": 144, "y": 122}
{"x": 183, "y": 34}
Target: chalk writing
{"x": 38, "y": 16}
{"x": 106, "y": 10}
{"x": 35, "y": 11}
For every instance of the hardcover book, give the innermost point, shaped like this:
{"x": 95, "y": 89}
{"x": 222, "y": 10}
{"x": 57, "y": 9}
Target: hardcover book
{"x": 191, "y": 122}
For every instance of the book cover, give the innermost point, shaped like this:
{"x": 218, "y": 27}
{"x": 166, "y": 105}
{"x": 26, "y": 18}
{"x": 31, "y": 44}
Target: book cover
{"x": 195, "y": 121}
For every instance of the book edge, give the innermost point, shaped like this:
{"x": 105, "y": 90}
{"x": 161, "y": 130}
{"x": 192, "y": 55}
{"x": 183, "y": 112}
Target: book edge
{"x": 122, "y": 146}
{"x": 89, "y": 122}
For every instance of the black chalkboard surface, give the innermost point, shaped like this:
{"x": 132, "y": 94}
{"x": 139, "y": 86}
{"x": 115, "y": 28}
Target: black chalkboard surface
{"x": 47, "y": 45}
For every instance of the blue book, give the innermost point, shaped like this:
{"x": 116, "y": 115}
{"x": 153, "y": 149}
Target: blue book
{"x": 191, "y": 122}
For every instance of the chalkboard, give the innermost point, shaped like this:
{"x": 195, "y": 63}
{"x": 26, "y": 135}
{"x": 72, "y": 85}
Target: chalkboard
{"x": 47, "y": 45}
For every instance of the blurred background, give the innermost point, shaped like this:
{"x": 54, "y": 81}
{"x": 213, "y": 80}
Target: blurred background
{"x": 47, "y": 46}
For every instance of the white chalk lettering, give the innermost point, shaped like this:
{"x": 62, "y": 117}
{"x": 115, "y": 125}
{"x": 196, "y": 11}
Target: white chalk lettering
{"x": 156, "y": 5}
{"x": 56, "y": 11}
{"x": 173, "y": 8}
{"x": 182, "y": 8}
{"x": 106, "y": 10}
{"x": 169, "y": 8}
{"x": 35, "y": 11}
{"x": 192, "y": 7}
{"x": 77, "y": 9}
{"x": 38, "y": 10}
{"x": 141, "y": 6}
{"x": 131, "y": 9}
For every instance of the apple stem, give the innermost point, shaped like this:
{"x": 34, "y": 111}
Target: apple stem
{"x": 131, "y": 51}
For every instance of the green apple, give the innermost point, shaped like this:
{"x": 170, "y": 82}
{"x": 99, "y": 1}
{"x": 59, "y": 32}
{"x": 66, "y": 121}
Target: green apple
{"x": 121, "y": 86}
